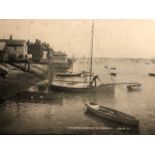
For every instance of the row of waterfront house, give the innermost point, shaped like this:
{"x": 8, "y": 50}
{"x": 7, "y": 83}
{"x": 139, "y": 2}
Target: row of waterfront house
{"x": 21, "y": 50}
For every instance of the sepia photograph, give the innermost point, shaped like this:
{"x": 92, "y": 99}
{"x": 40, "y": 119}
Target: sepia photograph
{"x": 77, "y": 77}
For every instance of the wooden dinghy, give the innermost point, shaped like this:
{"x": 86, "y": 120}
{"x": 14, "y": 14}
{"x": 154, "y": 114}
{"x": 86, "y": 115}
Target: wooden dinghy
{"x": 112, "y": 115}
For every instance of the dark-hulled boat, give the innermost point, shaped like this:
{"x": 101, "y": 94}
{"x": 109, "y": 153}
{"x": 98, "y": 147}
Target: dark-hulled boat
{"x": 113, "y": 74}
{"x": 69, "y": 74}
{"x": 134, "y": 86}
{"x": 151, "y": 74}
{"x": 112, "y": 115}
{"x": 3, "y": 72}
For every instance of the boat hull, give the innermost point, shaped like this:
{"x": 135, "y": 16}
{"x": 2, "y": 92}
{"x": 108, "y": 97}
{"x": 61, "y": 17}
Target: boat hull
{"x": 134, "y": 87}
{"x": 128, "y": 120}
{"x": 105, "y": 88}
{"x": 113, "y": 74}
{"x": 68, "y": 75}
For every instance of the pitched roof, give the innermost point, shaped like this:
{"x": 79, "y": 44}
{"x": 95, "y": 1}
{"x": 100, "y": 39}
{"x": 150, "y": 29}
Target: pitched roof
{"x": 15, "y": 42}
{"x": 59, "y": 53}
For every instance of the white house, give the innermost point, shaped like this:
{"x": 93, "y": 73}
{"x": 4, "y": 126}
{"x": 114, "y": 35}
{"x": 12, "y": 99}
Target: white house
{"x": 15, "y": 50}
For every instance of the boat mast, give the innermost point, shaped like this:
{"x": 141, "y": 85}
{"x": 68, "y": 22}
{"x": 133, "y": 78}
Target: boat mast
{"x": 91, "y": 55}
{"x": 50, "y": 68}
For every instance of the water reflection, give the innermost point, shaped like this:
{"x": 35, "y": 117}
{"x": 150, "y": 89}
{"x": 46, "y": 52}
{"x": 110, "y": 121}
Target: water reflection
{"x": 53, "y": 113}
{"x": 115, "y": 128}
{"x": 42, "y": 111}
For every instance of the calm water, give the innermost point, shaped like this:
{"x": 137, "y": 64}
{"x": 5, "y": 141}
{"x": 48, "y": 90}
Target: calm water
{"x": 65, "y": 113}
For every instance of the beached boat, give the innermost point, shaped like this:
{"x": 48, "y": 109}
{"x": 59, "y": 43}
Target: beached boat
{"x": 112, "y": 115}
{"x": 133, "y": 86}
{"x": 3, "y": 72}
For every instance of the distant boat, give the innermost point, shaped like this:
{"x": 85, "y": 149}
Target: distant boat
{"x": 112, "y": 115}
{"x": 151, "y": 74}
{"x": 147, "y": 63}
{"x": 69, "y": 74}
{"x": 72, "y": 74}
{"x": 134, "y": 86}
{"x": 153, "y": 60}
{"x": 113, "y": 74}
{"x": 113, "y": 68}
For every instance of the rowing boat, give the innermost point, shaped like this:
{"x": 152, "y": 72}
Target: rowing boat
{"x": 112, "y": 115}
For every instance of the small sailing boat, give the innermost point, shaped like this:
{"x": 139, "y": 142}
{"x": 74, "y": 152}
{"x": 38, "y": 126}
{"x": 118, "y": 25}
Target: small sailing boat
{"x": 74, "y": 86}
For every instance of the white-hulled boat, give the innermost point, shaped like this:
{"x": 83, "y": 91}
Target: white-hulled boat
{"x": 112, "y": 115}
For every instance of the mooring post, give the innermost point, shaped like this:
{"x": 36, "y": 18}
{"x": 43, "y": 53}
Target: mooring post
{"x": 28, "y": 66}
{"x": 25, "y": 66}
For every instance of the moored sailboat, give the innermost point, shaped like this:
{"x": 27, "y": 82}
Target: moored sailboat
{"x": 75, "y": 86}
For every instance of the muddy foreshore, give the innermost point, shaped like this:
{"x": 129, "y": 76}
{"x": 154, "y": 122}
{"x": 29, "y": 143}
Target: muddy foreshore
{"x": 17, "y": 80}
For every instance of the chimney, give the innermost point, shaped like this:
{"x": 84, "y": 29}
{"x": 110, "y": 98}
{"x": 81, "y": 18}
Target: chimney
{"x": 11, "y": 37}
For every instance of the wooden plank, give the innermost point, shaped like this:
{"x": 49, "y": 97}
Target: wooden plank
{"x": 122, "y": 83}
{"x": 71, "y": 81}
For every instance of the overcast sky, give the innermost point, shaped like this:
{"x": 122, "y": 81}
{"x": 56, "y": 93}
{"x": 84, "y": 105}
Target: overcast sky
{"x": 112, "y": 38}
